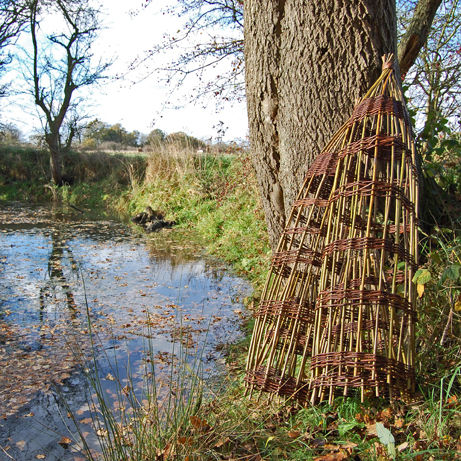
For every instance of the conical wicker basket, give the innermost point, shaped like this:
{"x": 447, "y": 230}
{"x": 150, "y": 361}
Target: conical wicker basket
{"x": 338, "y": 308}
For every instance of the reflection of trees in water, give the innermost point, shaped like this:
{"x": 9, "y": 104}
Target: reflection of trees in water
{"x": 57, "y": 278}
{"x": 179, "y": 251}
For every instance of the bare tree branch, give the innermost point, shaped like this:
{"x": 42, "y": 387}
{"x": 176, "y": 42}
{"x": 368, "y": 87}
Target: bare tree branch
{"x": 62, "y": 63}
{"x": 417, "y": 32}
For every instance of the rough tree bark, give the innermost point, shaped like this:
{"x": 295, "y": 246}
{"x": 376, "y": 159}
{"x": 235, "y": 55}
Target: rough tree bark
{"x": 417, "y": 32}
{"x": 307, "y": 63}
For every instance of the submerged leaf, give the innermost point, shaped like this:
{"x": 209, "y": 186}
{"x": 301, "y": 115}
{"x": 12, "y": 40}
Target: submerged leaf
{"x": 65, "y": 442}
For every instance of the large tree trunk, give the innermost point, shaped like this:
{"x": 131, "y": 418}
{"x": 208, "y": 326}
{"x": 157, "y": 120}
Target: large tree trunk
{"x": 416, "y": 35}
{"x": 55, "y": 157}
{"x": 307, "y": 63}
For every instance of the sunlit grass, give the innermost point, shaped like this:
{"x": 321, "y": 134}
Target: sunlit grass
{"x": 214, "y": 199}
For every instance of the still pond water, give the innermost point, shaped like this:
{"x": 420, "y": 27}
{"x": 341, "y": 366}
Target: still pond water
{"x": 62, "y": 274}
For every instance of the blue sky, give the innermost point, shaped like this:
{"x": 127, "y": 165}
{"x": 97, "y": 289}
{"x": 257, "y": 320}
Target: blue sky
{"x": 139, "y": 103}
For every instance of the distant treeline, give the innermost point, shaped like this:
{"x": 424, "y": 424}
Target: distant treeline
{"x": 100, "y": 136}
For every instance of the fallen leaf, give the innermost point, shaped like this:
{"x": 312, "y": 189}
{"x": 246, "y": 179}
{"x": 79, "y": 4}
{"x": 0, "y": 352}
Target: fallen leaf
{"x": 371, "y": 430}
{"x": 452, "y": 401}
{"x": 332, "y": 457}
{"x": 101, "y": 433}
{"x": 385, "y": 414}
{"x": 65, "y": 442}
{"x": 348, "y": 445}
{"x": 384, "y": 434}
{"x": 293, "y": 434}
{"x": 199, "y": 424}
{"x": 40, "y": 456}
{"x": 399, "y": 422}
{"x": 331, "y": 447}
{"x": 21, "y": 444}
{"x": 222, "y": 442}
{"x": 402, "y": 446}
{"x": 185, "y": 441}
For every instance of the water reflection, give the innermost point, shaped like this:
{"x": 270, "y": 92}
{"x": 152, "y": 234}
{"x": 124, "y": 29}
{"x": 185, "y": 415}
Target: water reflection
{"x": 57, "y": 268}
{"x": 57, "y": 280}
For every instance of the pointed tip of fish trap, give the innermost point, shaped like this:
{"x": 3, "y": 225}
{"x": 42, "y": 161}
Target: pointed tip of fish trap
{"x": 388, "y": 61}
{"x": 338, "y": 310}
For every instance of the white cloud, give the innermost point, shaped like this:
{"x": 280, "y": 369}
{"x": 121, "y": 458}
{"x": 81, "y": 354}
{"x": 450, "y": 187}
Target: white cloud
{"x": 142, "y": 105}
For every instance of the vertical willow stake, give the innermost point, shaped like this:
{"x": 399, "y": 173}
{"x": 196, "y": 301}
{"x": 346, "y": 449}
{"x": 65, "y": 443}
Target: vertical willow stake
{"x": 338, "y": 309}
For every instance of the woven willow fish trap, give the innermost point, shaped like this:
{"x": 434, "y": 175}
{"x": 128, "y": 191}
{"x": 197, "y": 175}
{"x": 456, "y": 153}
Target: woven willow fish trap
{"x": 338, "y": 308}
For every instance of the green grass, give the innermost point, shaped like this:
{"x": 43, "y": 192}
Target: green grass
{"x": 214, "y": 200}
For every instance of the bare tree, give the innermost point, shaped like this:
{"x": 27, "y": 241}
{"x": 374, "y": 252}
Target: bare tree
{"x": 12, "y": 21}
{"x": 61, "y": 63}
{"x": 210, "y": 44}
{"x": 416, "y": 32}
{"x": 219, "y": 24}
{"x": 434, "y": 80}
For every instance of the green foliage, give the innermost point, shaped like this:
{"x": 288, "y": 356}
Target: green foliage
{"x": 214, "y": 200}
{"x": 442, "y": 161}
{"x": 25, "y": 171}
{"x": 439, "y": 322}
{"x": 97, "y": 134}
{"x": 214, "y": 195}
{"x": 184, "y": 141}
{"x": 155, "y": 138}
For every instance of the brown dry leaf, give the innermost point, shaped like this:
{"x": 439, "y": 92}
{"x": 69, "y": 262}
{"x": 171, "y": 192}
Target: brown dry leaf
{"x": 187, "y": 441}
{"x": 371, "y": 430}
{"x": 367, "y": 419}
{"x": 402, "y": 446}
{"x": 101, "y": 433}
{"x": 293, "y": 434}
{"x": 380, "y": 449}
{"x": 386, "y": 414}
{"x": 399, "y": 422}
{"x": 452, "y": 401}
{"x": 348, "y": 445}
{"x": 169, "y": 452}
{"x": 41, "y": 456}
{"x": 332, "y": 457}
{"x": 199, "y": 424}
{"x": 65, "y": 442}
{"x": 86, "y": 421}
{"x": 331, "y": 447}
{"x": 222, "y": 442}
{"x": 21, "y": 444}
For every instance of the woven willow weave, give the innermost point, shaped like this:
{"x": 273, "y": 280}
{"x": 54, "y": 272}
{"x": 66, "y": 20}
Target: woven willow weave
{"x": 338, "y": 308}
